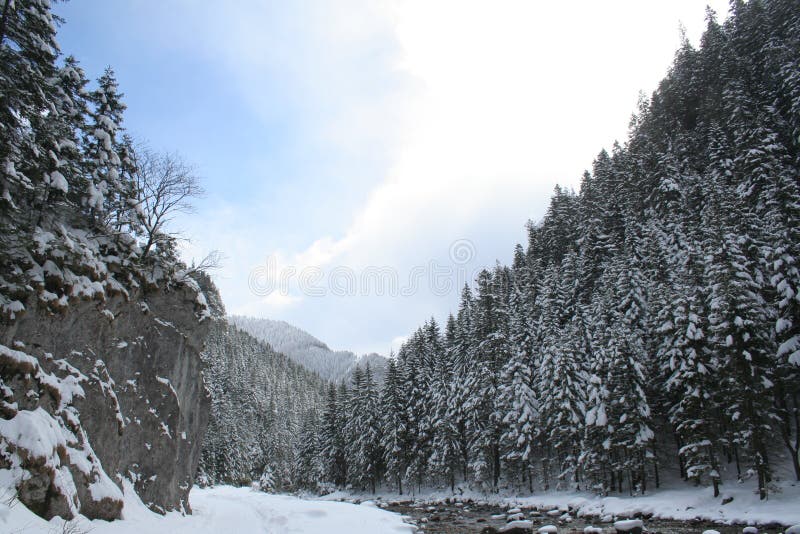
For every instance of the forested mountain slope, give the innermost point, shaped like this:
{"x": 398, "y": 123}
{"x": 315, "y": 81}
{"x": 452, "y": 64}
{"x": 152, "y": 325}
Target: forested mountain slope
{"x": 308, "y": 351}
{"x": 259, "y": 398}
{"x": 650, "y": 323}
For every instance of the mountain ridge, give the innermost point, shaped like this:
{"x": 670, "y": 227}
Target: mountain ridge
{"x": 309, "y": 351}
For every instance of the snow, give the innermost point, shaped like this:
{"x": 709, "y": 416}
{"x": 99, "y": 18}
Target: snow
{"x": 677, "y": 501}
{"x": 628, "y": 525}
{"x": 58, "y": 181}
{"x": 221, "y": 509}
{"x": 548, "y": 529}
{"x": 36, "y": 432}
{"x": 520, "y": 523}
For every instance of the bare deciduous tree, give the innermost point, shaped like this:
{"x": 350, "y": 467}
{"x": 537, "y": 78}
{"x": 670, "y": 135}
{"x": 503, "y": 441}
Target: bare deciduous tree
{"x": 166, "y": 186}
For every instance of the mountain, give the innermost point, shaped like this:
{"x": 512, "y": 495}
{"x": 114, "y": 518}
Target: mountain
{"x": 258, "y": 401}
{"x": 308, "y": 351}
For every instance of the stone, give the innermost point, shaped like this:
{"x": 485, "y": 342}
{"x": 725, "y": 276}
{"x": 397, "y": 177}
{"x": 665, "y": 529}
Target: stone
{"x": 632, "y": 526}
{"x": 144, "y": 407}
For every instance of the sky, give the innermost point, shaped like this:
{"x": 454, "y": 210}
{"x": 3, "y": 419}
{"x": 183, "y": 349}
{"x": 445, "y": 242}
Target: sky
{"x": 362, "y": 160}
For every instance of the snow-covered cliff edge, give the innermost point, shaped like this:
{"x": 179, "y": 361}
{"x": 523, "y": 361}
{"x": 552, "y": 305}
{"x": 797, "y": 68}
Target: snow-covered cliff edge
{"x": 103, "y": 391}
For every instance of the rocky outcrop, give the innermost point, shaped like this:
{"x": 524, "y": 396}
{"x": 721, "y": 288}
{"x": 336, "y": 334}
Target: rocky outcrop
{"x": 103, "y": 391}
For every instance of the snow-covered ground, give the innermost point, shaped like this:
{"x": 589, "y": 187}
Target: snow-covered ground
{"x": 681, "y": 502}
{"x": 223, "y": 509}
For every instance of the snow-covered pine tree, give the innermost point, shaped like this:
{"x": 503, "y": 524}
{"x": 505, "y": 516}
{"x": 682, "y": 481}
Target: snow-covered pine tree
{"x": 560, "y": 378}
{"x": 108, "y": 195}
{"x": 308, "y": 467}
{"x": 518, "y": 400}
{"x": 632, "y": 437}
{"x": 332, "y": 446}
{"x": 738, "y": 322}
{"x": 64, "y": 170}
{"x": 28, "y": 51}
{"x": 691, "y": 367}
{"x": 416, "y": 381}
{"x": 352, "y": 414}
{"x": 393, "y": 426}
{"x": 444, "y": 458}
{"x": 463, "y": 358}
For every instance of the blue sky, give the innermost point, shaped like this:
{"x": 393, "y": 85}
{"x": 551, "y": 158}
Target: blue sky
{"x": 355, "y": 134}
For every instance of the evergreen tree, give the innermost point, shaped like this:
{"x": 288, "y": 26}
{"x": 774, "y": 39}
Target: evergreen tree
{"x": 393, "y": 426}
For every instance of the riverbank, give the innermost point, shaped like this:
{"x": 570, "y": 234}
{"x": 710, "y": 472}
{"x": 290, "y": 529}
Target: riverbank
{"x": 680, "y": 503}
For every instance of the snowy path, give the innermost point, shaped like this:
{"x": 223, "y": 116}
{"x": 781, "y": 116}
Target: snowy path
{"x": 225, "y": 510}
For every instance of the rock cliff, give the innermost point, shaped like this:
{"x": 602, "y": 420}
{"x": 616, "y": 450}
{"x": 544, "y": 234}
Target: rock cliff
{"x": 102, "y": 392}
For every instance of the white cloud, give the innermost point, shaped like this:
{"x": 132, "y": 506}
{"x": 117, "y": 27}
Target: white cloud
{"x": 506, "y": 99}
{"x": 515, "y": 97}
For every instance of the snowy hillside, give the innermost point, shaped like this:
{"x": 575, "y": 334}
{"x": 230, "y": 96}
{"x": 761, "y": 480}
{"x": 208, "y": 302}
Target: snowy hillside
{"x": 258, "y": 400}
{"x": 308, "y": 351}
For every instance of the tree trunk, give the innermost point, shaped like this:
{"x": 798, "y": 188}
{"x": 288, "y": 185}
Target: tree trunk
{"x": 4, "y": 21}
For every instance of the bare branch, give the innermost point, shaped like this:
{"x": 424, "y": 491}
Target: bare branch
{"x": 166, "y": 186}
{"x": 211, "y": 262}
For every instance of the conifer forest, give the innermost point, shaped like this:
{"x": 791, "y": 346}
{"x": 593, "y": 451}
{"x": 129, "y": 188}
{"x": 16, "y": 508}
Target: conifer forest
{"x": 652, "y": 319}
{"x": 643, "y": 339}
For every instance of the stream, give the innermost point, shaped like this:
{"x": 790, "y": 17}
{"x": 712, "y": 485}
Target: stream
{"x": 469, "y": 517}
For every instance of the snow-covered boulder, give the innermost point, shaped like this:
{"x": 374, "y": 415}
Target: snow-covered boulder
{"x": 634, "y": 526}
{"x": 517, "y": 527}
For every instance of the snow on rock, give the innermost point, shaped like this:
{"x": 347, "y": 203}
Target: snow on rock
{"x": 126, "y": 395}
{"x": 594, "y": 530}
{"x": 749, "y": 530}
{"x": 675, "y": 501}
{"x": 548, "y": 529}
{"x": 711, "y": 532}
{"x": 795, "y": 529}
{"x": 515, "y": 526}
{"x": 629, "y": 525}
{"x": 46, "y": 459}
{"x": 37, "y": 433}
{"x": 222, "y": 509}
